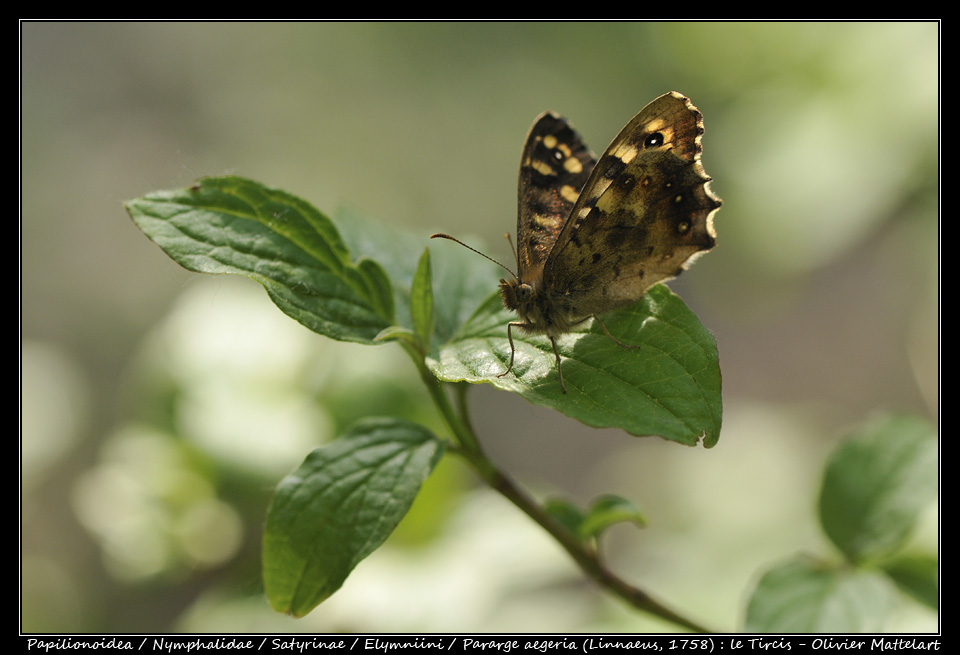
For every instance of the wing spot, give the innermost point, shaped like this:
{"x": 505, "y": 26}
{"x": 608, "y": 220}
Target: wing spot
{"x": 568, "y": 193}
{"x": 573, "y": 165}
{"x": 541, "y": 167}
{"x": 544, "y": 221}
{"x": 625, "y": 152}
{"x": 654, "y": 140}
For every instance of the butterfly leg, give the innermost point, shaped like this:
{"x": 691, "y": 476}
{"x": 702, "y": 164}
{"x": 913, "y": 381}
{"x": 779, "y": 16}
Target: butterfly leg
{"x": 613, "y": 338}
{"x": 513, "y": 350}
{"x": 556, "y": 353}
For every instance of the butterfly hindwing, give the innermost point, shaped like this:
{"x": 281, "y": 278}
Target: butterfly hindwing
{"x": 553, "y": 168}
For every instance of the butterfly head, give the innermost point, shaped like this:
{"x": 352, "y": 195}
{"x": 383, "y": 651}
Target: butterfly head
{"x": 515, "y": 294}
{"x": 522, "y": 298}
{"x": 539, "y": 311}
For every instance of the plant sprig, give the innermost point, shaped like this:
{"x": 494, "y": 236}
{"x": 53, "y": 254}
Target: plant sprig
{"x": 353, "y": 280}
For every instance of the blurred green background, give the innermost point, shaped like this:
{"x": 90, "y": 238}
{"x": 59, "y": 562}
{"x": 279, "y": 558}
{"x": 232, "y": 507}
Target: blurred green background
{"x": 160, "y": 407}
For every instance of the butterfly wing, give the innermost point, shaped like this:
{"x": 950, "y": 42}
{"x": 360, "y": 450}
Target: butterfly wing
{"x": 644, "y": 212}
{"x": 554, "y": 167}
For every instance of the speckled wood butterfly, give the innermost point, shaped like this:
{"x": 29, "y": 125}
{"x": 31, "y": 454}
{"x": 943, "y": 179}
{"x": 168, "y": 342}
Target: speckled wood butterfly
{"x": 593, "y": 236}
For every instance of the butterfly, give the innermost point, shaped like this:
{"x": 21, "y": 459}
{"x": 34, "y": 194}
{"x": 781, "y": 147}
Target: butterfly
{"x": 595, "y": 235}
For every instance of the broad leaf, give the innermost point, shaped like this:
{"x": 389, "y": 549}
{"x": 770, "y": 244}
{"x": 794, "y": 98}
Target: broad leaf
{"x": 339, "y": 506}
{"x": 918, "y": 576}
{"x": 876, "y": 484}
{"x": 802, "y": 596}
{"x": 234, "y": 225}
{"x": 669, "y": 386}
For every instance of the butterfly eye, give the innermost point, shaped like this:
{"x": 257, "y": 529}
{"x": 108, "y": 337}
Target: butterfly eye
{"x": 653, "y": 140}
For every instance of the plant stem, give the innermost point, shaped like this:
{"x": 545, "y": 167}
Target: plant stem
{"x": 462, "y": 432}
{"x": 587, "y": 558}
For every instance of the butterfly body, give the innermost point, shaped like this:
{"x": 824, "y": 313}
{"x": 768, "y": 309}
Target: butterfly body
{"x": 594, "y": 235}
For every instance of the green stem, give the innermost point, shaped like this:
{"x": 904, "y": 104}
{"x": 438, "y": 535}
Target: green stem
{"x": 462, "y": 432}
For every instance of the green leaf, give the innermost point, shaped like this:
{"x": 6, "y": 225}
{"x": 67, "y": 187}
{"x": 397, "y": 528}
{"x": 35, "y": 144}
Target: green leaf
{"x": 399, "y": 333}
{"x": 605, "y": 511}
{"x": 668, "y": 386}
{"x": 234, "y": 225}
{"x": 339, "y": 506}
{"x": 378, "y": 286}
{"x": 565, "y": 513}
{"x": 460, "y": 283}
{"x": 421, "y": 300}
{"x": 608, "y": 510}
{"x": 802, "y": 596}
{"x": 918, "y": 576}
{"x": 876, "y": 484}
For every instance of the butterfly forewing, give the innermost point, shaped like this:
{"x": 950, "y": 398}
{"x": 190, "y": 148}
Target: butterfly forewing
{"x": 553, "y": 168}
{"x": 642, "y": 214}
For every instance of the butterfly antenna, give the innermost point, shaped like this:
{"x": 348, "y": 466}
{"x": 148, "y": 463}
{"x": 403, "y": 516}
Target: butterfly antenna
{"x": 440, "y": 235}
{"x": 516, "y": 255}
